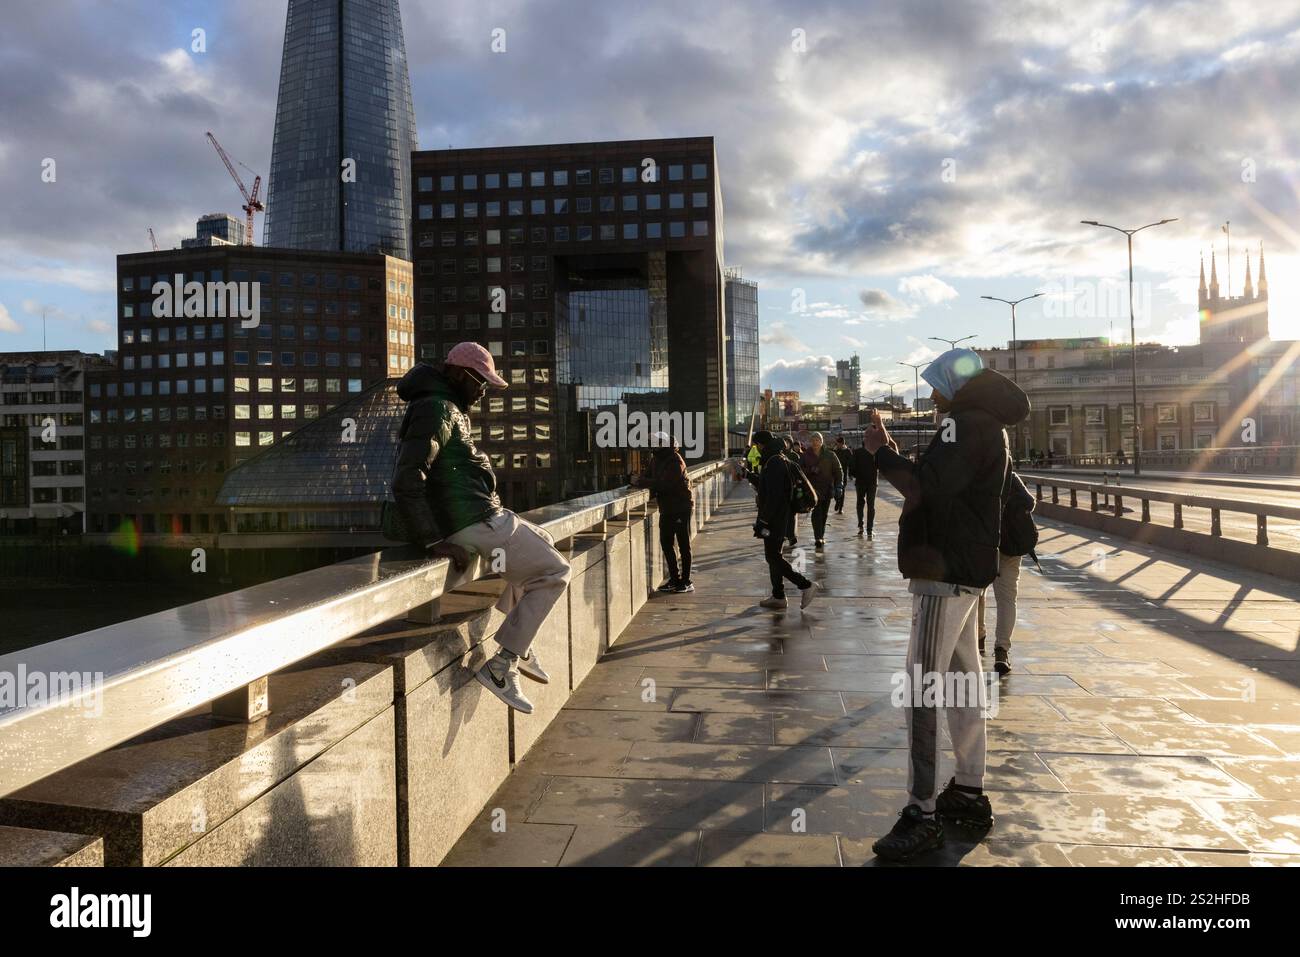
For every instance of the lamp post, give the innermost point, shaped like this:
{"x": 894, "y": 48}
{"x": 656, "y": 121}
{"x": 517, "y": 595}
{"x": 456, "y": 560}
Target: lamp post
{"x": 1015, "y": 343}
{"x": 951, "y": 342}
{"x": 1132, "y": 328}
{"x": 916, "y": 386}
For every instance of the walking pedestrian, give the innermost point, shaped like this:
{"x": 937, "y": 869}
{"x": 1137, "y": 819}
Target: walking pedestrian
{"x": 774, "y": 509}
{"x": 948, "y": 549}
{"x": 842, "y": 453}
{"x": 864, "y": 471}
{"x": 823, "y": 469}
{"x": 1017, "y": 538}
{"x": 446, "y": 492}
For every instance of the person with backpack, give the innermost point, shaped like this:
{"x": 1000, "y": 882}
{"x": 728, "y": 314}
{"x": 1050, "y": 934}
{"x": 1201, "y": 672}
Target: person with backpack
{"x": 446, "y": 492}
{"x": 822, "y": 466}
{"x": 842, "y": 453}
{"x": 782, "y": 489}
{"x": 667, "y": 481}
{"x": 1018, "y": 538}
{"x": 948, "y": 537}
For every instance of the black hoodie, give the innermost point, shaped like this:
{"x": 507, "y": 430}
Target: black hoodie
{"x": 952, "y": 498}
{"x": 442, "y": 483}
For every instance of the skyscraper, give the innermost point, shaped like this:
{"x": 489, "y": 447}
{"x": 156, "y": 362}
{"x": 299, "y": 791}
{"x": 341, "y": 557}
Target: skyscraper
{"x": 742, "y": 347}
{"x": 344, "y": 131}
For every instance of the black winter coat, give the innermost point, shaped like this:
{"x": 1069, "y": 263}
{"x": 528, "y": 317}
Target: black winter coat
{"x": 442, "y": 482}
{"x": 952, "y": 499}
{"x": 863, "y": 469}
{"x": 774, "y": 490}
{"x": 667, "y": 480}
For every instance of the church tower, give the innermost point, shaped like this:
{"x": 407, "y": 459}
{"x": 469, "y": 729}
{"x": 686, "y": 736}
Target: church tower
{"x": 1230, "y": 320}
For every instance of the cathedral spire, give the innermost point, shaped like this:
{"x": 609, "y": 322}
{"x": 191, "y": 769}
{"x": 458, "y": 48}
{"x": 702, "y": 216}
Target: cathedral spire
{"x": 1249, "y": 291}
{"x": 1200, "y": 292}
{"x": 1214, "y": 277}
{"x": 1263, "y": 279}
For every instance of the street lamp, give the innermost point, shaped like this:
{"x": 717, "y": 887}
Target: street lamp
{"x": 951, "y": 342}
{"x": 916, "y": 368}
{"x": 1015, "y": 346}
{"x": 1132, "y": 328}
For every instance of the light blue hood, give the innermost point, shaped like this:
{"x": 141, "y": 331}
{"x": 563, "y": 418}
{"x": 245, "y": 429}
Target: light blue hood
{"x": 952, "y": 370}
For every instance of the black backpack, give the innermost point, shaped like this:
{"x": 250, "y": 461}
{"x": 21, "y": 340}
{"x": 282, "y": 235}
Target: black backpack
{"x": 803, "y": 497}
{"x": 1019, "y": 533}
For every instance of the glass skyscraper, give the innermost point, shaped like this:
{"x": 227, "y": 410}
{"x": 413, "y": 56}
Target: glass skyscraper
{"x": 742, "y": 347}
{"x": 344, "y": 131}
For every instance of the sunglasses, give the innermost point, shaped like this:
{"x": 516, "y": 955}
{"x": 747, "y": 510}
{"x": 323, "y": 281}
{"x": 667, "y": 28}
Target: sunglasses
{"x": 483, "y": 383}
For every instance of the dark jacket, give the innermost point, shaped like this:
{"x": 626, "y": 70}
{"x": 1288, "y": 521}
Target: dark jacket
{"x": 952, "y": 498}
{"x": 863, "y": 469}
{"x": 442, "y": 483}
{"x": 845, "y": 455}
{"x": 666, "y": 479}
{"x": 1019, "y": 535}
{"x": 774, "y": 490}
{"x": 824, "y": 471}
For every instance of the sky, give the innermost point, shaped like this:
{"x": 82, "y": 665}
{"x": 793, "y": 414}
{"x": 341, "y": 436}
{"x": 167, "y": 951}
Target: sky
{"x": 882, "y": 166}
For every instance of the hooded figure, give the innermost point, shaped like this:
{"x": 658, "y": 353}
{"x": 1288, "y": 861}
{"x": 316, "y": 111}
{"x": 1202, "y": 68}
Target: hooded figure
{"x": 952, "y": 509}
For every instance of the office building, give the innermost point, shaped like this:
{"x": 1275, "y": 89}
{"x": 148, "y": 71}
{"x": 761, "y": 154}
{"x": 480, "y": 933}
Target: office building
{"x": 593, "y": 274}
{"x": 42, "y": 441}
{"x": 197, "y": 393}
{"x": 742, "y": 347}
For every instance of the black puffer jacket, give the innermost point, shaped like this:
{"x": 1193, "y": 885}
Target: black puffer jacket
{"x": 774, "y": 489}
{"x": 442, "y": 483}
{"x": 952, "y": 507}
{"x": 863, "y": 468}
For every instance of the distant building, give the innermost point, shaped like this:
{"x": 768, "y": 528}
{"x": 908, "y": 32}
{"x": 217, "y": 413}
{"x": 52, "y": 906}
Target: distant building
{"x": 742, "y": 347}
{"x": 194, "y": 395}
{"x": 1191, "y": 396}
{"x": 42, "y": 441}
{"x": 593, "y": 274}
{"x": 344, "y": 131}
{"x": 216, "y": 229}
{"x": 844, "y": 389}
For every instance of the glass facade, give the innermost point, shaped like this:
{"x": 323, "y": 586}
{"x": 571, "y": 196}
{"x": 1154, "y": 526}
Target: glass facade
{"x": 345, "y": 98}
{"x": 742, "y": 348}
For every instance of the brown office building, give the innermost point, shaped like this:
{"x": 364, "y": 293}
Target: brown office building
{"x": 593, "y": 273}
{"x": 196, "y": 393}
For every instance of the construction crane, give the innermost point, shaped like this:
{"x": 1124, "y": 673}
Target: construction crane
{"x": 152, "y": 242}
{"x": 251, "y": 202}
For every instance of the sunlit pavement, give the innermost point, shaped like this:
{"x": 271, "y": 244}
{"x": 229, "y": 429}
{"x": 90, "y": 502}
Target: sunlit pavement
{"x": 1153, "y": 717}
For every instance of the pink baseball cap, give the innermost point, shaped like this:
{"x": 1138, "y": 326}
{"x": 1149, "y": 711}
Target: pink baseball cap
{"x": 471, "y": 355}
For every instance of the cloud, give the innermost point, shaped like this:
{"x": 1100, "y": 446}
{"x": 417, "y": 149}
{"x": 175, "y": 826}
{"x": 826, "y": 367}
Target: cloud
{"x": 7, "y": 323}
{"x": 927, "y": 289}
{"x": 855, "y": 343}
{"x": 778, "y": 335}
{"x": 807, "y": 376}
{"x": 881, "y": 305}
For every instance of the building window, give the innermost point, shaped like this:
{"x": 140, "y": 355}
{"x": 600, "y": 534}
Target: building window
{"x": 1094, "y": 415}
{"x": 1166, "y": 413}
{"x": 1059, "y": 415}
{"x": 1203, "y": 411}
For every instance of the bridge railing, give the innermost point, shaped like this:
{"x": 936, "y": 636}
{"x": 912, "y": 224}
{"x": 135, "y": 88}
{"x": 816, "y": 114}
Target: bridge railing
{"x": 1105, "y": 509}
{"x": 219, "y": 652}
{"x": 1267, "y": 460}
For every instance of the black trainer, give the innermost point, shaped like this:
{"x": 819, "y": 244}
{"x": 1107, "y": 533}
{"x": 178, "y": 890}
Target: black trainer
{"x": 1002, "y": 661}
{"x": 963, "y": 808}
{"x": 914, "y": 833}
{"x": 669, "y": 586}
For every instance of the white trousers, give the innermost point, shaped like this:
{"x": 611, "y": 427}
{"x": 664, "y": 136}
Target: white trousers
{"x": 525, "y": 556}
{"x": 1005, "y": 589}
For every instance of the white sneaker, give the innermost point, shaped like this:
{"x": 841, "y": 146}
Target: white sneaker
{"x": 503, "y": 681}
{"x": 806, "y": 595}
{"x": 531, "y": 667}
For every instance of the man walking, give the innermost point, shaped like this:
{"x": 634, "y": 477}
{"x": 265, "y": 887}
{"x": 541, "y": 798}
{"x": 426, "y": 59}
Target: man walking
{"x": 948, "y": 549}
{"x": 846, "y": 461}
{"x": 1018, "y": 538}
{"x": 447, "y": 494}
{"x": 667, "y": 481}
{"x": 774, "y": 513}
{"x": 864, "y": 471}
{"x": 823, "y": 469}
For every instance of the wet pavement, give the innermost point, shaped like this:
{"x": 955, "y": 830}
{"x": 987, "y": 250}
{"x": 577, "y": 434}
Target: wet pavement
{"x": 1153, "y": 718}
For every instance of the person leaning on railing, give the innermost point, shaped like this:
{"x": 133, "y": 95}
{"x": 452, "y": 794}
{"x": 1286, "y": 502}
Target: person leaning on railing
{"x": 447, "y": 493}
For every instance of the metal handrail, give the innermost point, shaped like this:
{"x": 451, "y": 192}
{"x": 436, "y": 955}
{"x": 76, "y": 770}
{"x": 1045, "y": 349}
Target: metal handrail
{"x": 150, "y": 670}
{"x": 1210, "y": 502}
